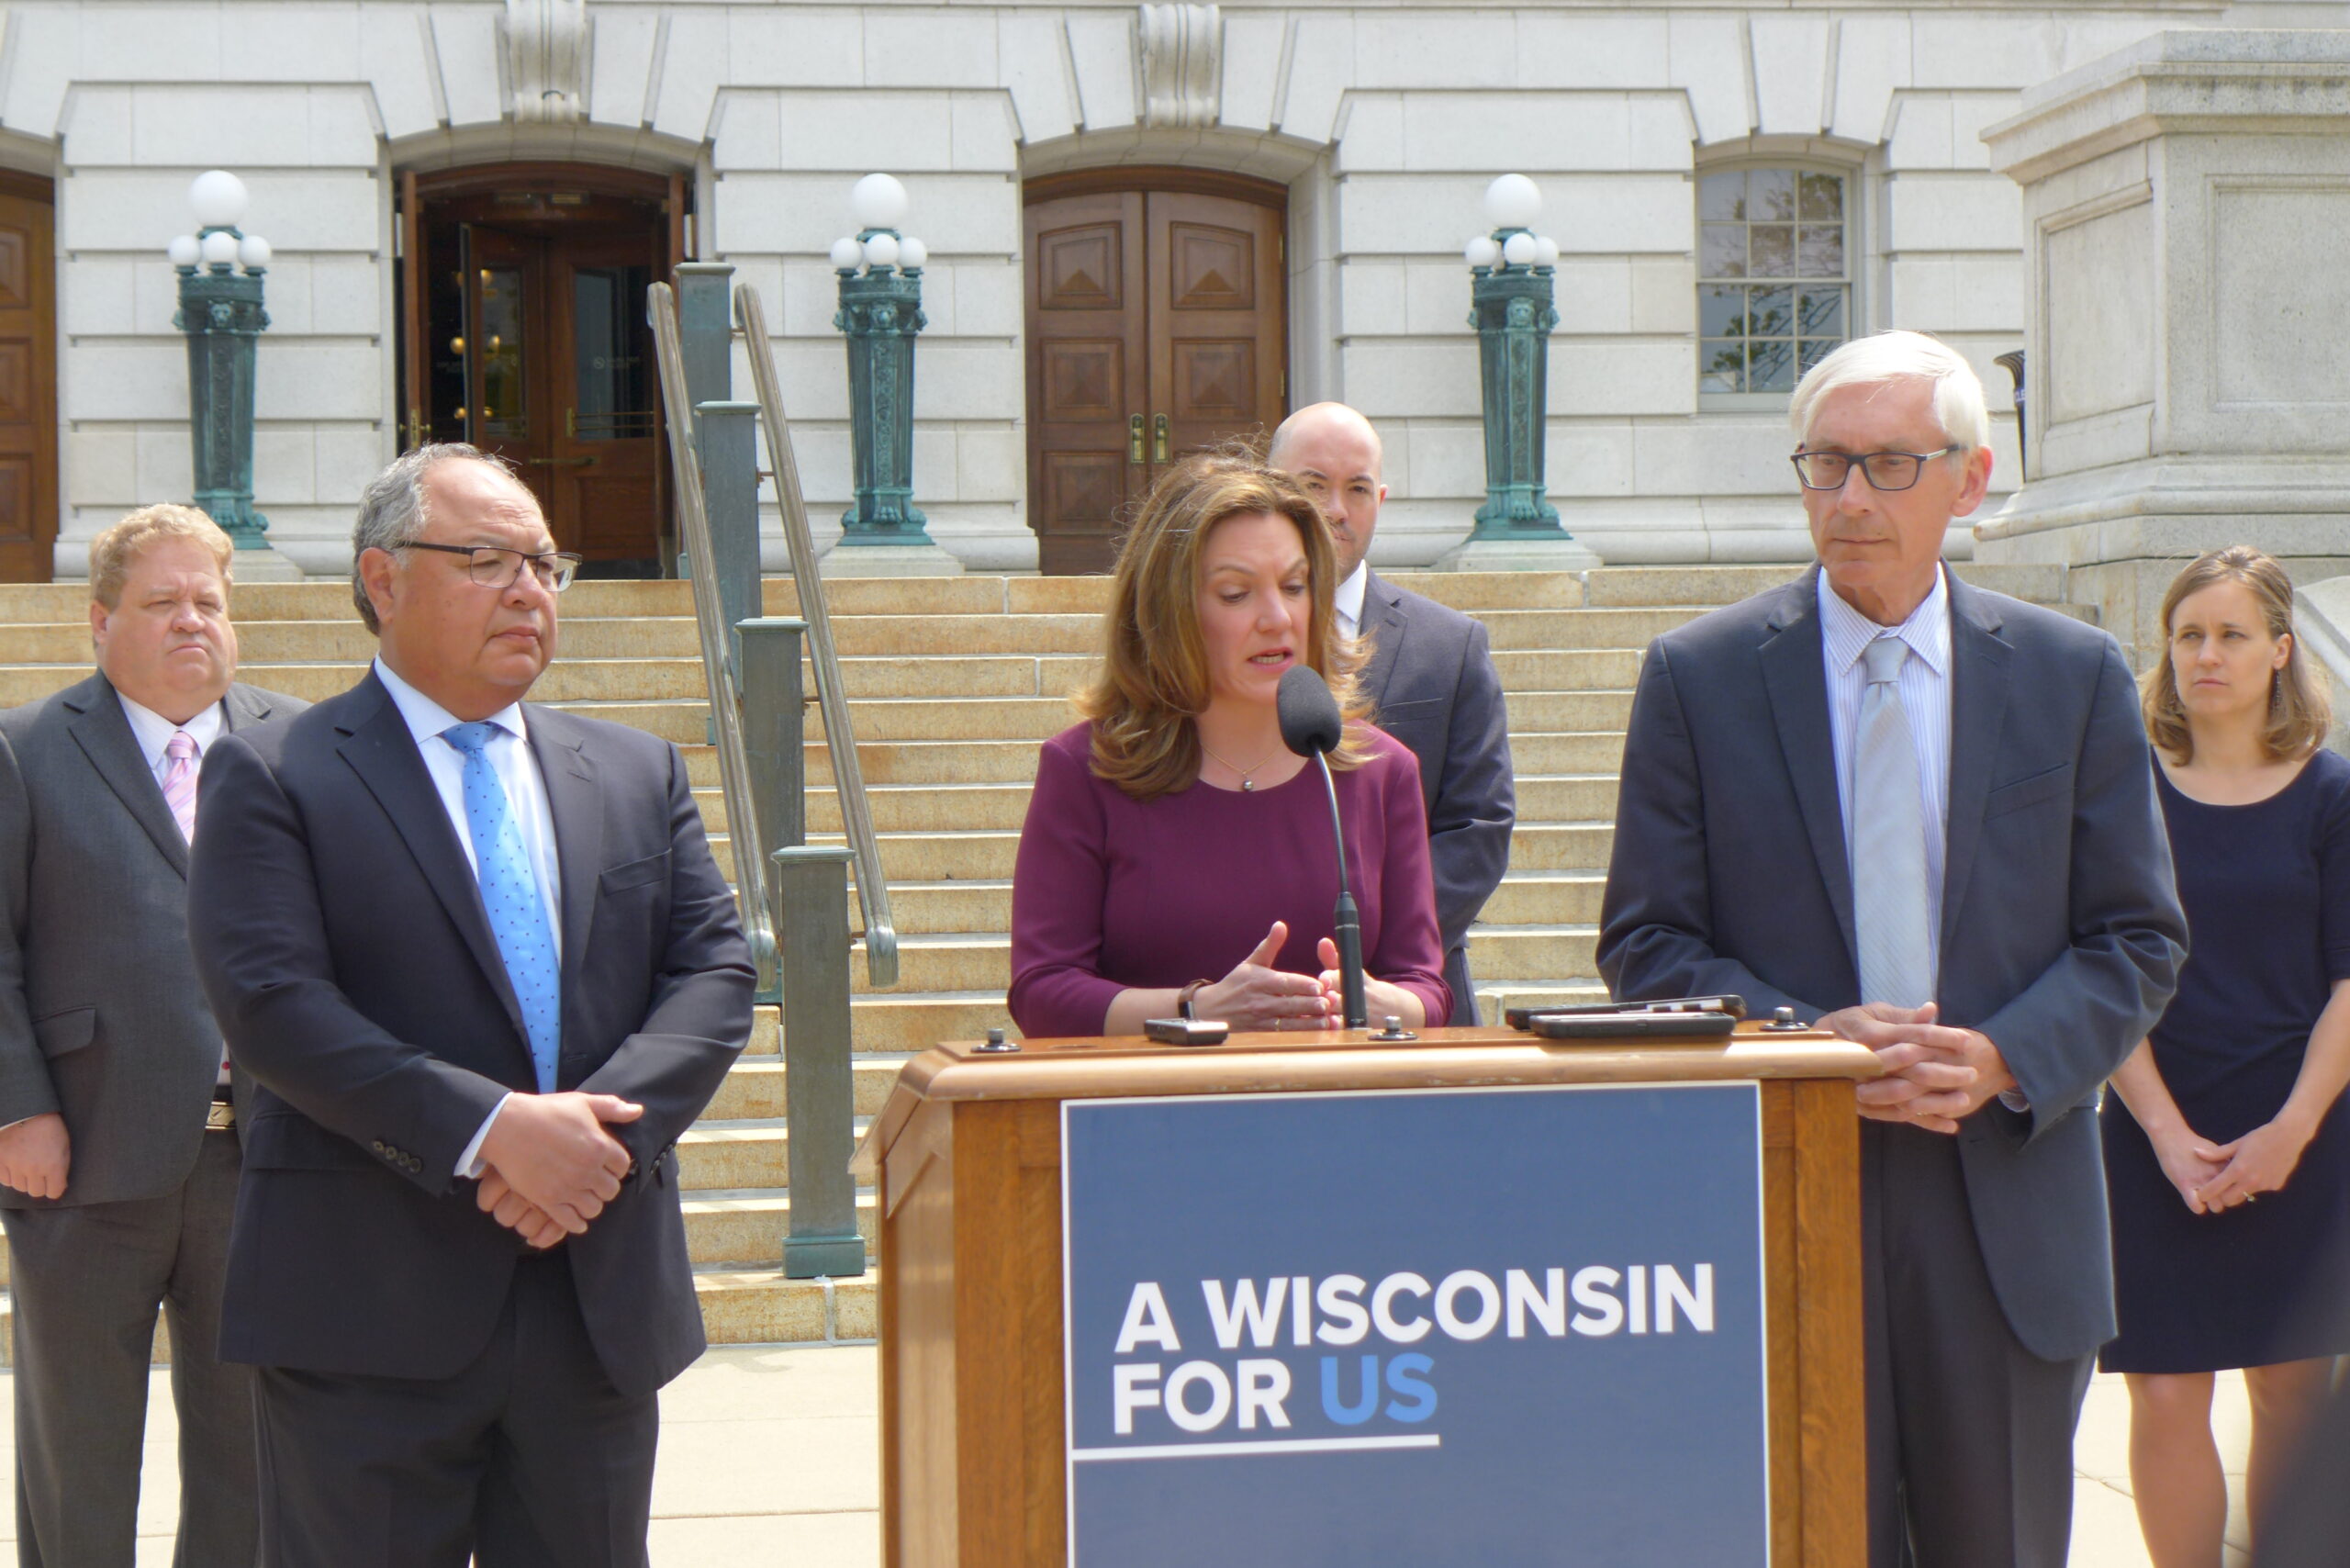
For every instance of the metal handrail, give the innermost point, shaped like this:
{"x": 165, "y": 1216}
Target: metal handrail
{"x": 717, "y": 646}
{"x": 840, "y": 741}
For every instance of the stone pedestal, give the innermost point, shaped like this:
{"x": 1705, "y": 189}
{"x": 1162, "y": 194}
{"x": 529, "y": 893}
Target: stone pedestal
{"x": 1564, "y": 554}
{"x": 2187, "y": 207}
{"x": 928, "y": 559}
{"x": 266, "y": 564}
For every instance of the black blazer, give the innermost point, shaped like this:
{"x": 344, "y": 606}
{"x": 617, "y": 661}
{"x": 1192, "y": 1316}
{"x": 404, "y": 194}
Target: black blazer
{"x": 101, "y": 1018}
{"x": 1432, "y": 685}
{"x": 341, "y": 938}
{"x": 2061, "y": 933}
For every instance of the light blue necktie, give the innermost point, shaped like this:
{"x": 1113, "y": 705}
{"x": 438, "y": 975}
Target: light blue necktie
{"x": 1890, "y": 914}
{"x": 518, "y": 917}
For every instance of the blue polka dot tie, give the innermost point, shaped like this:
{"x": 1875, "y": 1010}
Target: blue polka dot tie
{"x": 518, "y": 917}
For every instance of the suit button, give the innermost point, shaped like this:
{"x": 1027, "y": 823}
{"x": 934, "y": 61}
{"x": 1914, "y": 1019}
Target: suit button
{"x": 378, "y": 1146}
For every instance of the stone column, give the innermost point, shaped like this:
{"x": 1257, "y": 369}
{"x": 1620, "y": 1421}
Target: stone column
{"x": 2187, "y": 207}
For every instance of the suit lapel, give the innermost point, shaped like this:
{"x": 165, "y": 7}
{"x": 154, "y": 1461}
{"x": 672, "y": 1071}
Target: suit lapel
{"x": 1796, "y": 680}
{"x": 380, "y": 749}
{"x": 1384, "y": 622}
{"x": 577, "y": 808}
{"x": 1978, "y": 713}
{"x": 102, "y": 732}
{"x": 244, "y": 706}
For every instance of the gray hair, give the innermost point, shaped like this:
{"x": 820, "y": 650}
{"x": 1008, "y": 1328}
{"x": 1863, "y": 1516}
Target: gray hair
{"x": 1900, "y": 356}
{"x": 391, "y": 509}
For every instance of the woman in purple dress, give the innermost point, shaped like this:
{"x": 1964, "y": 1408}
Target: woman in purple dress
{"x": 1177, "y": 858}
{"x": 2227, "y": 1149}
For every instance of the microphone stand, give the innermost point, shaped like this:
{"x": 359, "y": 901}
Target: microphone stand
{"x": 1348, "y": 920}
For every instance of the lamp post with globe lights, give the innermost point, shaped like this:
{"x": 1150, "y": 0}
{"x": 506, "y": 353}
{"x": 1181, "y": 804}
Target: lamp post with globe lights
{"x": 220, "y": 312}
{"x": 880, "y": 311}
{"x": 1513, "y": 309}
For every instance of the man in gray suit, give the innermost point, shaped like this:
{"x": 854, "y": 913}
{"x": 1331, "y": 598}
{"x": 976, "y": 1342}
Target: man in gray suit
{"x": 1924, "y": 815}
{"x": 118, "y": 1154}
{"x": 1430, "y": 679}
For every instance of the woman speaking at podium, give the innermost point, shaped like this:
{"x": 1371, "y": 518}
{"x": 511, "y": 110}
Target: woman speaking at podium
{"x": 1177, "y": 858}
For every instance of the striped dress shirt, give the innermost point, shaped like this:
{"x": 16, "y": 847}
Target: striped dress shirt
{"x": 1925, "y": 697}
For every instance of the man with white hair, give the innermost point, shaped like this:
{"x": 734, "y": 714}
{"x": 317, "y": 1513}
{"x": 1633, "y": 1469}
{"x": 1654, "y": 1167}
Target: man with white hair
{"x": 1923, "y": 815}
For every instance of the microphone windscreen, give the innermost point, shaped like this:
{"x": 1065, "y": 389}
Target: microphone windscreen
{"x": 1309, "y": 714}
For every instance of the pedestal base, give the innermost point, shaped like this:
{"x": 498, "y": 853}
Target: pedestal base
{"x": 263, "y": 565}
{"x": 1564, "y": 553}
{"x": 2123, "y": 533}
{"x": 846, "y": 560}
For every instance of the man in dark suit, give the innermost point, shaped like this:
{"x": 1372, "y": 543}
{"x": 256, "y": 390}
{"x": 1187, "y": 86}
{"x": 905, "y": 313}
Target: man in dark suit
{"x": 1924, "y": 815}
{"x": 1430, "y": 679}
{"x": 484, "y": 972}
{"x": 118, "y": 1136}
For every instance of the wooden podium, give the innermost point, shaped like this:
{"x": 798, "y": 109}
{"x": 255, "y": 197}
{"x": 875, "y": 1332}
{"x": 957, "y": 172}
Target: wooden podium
{"x": 967, "y": 1160}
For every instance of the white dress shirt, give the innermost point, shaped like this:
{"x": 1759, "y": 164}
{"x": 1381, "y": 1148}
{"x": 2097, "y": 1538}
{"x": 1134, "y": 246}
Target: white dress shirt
{"x": 1925, "y": 685}
{"x": 1347, "y": 599}
{"x": 509, "y": 756}
{"x": 154, "y": 732}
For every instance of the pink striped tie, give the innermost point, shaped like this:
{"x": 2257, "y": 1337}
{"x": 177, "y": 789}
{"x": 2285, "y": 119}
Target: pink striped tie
{"x": 179, "y": 781}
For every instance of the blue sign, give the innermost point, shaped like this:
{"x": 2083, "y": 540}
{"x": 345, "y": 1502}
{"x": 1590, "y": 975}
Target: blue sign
{"x": 1502, "y": 1327}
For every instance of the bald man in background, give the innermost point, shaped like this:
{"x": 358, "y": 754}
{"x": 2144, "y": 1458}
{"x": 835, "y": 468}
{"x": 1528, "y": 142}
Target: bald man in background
{"x": 1430, "y": 679}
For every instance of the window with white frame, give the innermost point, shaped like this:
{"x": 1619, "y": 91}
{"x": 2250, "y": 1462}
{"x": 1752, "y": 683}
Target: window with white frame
{"x": 1775, "y": 284}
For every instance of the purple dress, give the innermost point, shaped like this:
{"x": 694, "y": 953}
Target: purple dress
{"x": 1112, "y": 893}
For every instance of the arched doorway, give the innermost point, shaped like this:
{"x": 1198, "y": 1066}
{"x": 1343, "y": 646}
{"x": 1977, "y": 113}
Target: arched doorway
{"x": 28, "y": 378}
{"x": 1156, "y": 320}
{"x": 523, "y": 332}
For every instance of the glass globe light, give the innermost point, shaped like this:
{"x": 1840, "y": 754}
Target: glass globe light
{"x": 1545, "y": 250}
{"x": 1512, "y": 201}
{"x": 879, "y": 201}
{"x": 184, "y": 252}
{"x": 881, "y": 251}
{"x": 219, "y": 199}
{"x": 252, "y": 253}
{"x": 912, "y": 254}
{"x": 1483, "y": 251}
{"x": 848, "y": 254}
{"x": 218, "y": 248}
{"x": 1518, "y": 250}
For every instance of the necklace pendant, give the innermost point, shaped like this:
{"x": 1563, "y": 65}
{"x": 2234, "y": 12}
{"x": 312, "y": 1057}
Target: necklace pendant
{"x": 1247, "y": 786}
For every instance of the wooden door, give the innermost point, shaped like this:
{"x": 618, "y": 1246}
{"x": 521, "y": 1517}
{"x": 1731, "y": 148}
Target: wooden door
{"x": 1155, "y": 327}
{"x": 27, "y": 380}
{"x": 523, "y": 332}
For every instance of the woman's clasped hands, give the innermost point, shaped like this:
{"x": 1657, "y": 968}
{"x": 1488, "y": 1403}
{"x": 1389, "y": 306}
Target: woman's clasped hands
{"x": 1255, "y": 996}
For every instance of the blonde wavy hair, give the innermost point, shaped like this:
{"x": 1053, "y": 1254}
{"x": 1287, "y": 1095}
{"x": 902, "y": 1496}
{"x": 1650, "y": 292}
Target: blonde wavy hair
{"x": 1154, "y": 676}
{"x": 113, "y": 553}
{"x": 2299, "y": 716}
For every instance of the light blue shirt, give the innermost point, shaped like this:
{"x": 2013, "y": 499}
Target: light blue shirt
{"x": 1925, "y": 696}
{"x": 510, "y": 757}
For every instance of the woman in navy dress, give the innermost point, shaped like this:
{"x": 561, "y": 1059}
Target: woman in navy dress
{"x": 2227, "y": 1149}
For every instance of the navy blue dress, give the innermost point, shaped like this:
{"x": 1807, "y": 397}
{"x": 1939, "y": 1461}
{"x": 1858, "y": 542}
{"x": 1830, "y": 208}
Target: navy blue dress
{"x": 2266, "y": 890}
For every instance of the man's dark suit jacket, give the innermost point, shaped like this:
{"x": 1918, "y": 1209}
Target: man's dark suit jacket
{"x": 1432, "y": 685}
{"x": 2061, "y": 933}
{"x": 101, "y": 1018}
{"x": 341, "y": 938}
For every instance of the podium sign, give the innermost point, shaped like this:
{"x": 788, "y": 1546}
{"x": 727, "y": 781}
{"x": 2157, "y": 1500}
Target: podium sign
{"x": 1506, "y": 1324}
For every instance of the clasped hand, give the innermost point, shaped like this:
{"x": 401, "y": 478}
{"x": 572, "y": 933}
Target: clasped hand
{"x": 548, "y": 1165}
{"x": 2212, "y": 1178}
{"x": 1936, "y": 1076}
{"x": 1255, "y": 996}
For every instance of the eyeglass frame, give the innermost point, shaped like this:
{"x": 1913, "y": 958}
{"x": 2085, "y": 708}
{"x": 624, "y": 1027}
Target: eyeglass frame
{"x": 1861, "y": 460}
{"x": 522, "y": 559}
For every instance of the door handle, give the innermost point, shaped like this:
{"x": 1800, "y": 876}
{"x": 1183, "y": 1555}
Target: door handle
{"x": 1158, "y": 438}
{"x": 563, "y": 463}
{"x": 1133, "y": 439}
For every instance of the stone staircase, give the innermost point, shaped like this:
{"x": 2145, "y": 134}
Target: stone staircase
{"x": 952, "y": 684}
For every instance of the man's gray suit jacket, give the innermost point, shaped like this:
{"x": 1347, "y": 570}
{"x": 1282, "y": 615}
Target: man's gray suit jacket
{"x": 101, "y": 1015}
{"x": 1432, "y": 685}
{"x": 2061, "y": 932}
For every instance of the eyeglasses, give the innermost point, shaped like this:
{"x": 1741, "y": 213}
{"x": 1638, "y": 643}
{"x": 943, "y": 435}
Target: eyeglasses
{"x": 1886, "y": 470}
{"x": 493, "y": 567}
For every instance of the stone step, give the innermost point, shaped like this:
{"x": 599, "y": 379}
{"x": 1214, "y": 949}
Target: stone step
{"x": 888, "y": 1022}
{"x": 735, "y": 1154}
{"x": 747, "y": 1230}
{"x": 754, "y": 1087}
{"x": 1002, "y": 808}
{"x": 1553, "y": 668}
{"x": 1542, "y": 898}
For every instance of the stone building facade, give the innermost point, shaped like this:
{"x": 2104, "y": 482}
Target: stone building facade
{"x": 1712, "y": 173}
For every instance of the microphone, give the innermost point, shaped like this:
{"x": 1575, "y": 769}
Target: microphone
{"x": 1311, "y": 726}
